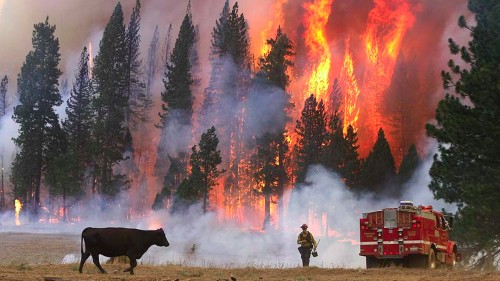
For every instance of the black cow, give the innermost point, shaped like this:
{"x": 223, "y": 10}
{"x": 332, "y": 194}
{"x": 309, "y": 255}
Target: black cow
{"x": 117, "y": 241}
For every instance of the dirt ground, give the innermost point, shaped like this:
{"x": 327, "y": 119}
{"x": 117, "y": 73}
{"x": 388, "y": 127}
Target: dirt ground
{"x": 30, "y": 256}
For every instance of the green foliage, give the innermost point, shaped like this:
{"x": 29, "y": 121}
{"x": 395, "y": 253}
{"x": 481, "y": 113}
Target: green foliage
{"x": 335, "y": 144}
{"x": 178, "y": 97}
{"x": 39, "y": 128}
{"x": 311, "y": 131}
{"x": 204, "y": 172}
{"x": 378, "y": 171}
{"x": 351, "y": 164}
{"x": 204, "y": 162}
{"x": 411, "y": 161}
{"x": 110, "y": 72}
{"x": 277, "y": 61}
{"x": 466, "y": 171}
{"x": 341, "y": 151}
{"x": 135, "y": 86}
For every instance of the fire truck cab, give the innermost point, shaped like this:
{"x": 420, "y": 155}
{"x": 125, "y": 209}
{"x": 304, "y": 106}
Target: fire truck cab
{"x": 412, "y": 236}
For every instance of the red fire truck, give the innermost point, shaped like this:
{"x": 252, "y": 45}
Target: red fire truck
{"x": 412, "y": 236}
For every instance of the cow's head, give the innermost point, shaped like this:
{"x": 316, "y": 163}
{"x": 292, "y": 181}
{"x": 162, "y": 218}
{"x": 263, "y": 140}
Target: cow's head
{"x": 160, "y": 238}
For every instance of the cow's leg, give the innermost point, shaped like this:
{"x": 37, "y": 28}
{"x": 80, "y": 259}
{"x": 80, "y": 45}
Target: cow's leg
{"x": 95, "y": 258}
{"x": 133, "y": 263}
{"x": 85, "y": 256}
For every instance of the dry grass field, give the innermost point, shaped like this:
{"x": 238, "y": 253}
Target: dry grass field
{"x": 28, "y": 256}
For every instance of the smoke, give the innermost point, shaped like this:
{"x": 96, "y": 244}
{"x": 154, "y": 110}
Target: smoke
{"x": 198, "y": 239}
{"x": 8, "y": 130}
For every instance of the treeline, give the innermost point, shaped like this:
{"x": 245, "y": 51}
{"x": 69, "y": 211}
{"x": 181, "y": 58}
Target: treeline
{"x": 91, "y": 152}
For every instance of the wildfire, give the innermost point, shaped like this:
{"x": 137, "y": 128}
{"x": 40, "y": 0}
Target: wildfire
{"x": 317, "y": 14}
{"x": 17, "y": 207}
{"x": 272, "y": 26}
{"x": 350, "y": 90}
{"x": 387, "y": 23}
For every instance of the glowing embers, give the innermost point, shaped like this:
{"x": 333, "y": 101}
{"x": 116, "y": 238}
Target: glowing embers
{"x": 316, "y": 18}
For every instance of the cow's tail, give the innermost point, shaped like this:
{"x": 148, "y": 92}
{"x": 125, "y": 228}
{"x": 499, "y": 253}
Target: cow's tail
{"x": 82, "y": 240}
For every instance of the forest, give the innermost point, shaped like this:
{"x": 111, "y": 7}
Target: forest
{"x": 241, "y": 146}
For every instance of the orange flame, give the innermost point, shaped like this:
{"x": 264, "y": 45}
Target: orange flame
{"x": 17, "y": 207}
{"x": 317, "y": 14}
{"x": 387, "y": 24}
{"x": 350, "y": 89}
{"x": 272, "y": 26}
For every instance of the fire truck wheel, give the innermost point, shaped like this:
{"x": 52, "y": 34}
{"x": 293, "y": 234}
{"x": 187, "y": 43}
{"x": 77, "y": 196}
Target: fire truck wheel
{"x": 372, "y": 262}
{"x": 431, "y": 259}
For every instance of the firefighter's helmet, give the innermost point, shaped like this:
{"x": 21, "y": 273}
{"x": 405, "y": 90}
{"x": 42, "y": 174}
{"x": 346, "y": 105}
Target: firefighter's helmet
{"x": 304, "y": 226}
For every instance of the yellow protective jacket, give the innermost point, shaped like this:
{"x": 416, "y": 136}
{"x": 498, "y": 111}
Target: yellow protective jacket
{"x": 306, "y": 240}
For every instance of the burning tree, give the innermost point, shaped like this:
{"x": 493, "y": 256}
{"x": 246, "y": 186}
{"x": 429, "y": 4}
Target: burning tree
{"x": 224, "y": 98}
{"x": 272, "y": 148}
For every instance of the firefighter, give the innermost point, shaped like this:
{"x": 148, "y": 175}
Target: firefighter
{"x": 307, "y": 243}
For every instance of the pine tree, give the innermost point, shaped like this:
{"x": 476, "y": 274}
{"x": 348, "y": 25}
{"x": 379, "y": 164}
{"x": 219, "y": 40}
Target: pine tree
{"x": 135, "y": 86}
{"x": 3, "y": 96}
{"x": 66, "y": 175}
{"x": 204, "y": 162}
{"x": 178, "y": 97}
{"x": 39, "y": 128}
{"x": 311, "y": 131}
{"x": 109, "y": 74}
{"x": 80, "y": 115}
{"x": 268, "y": 173}
{"x": 411, "y": 161}
{"x": 177, "y": 107}
{"x": 166, "y": 49}
{"x": 272, "y": 147}
{"x": 351, "y": 168}
{"x": 335, "y": 145}
{"x": 225, "y": 95}
{"x": 378, "y": 171}
{"x": 466, "y": 171}
{"x": 151, "y": 70}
